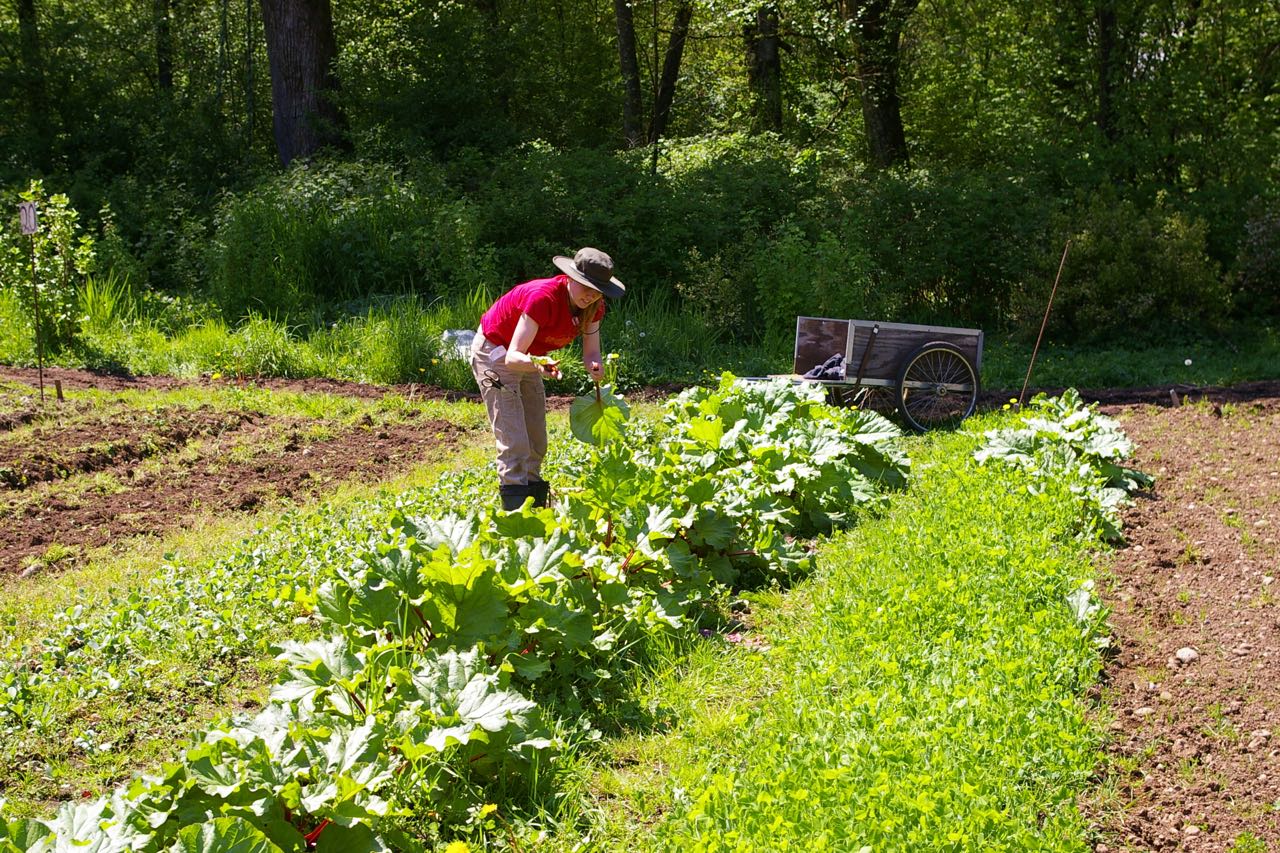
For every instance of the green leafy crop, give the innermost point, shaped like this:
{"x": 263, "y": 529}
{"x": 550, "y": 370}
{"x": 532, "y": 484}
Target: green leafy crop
{"x": 440, "y": 631}
{"x": 1065, "y": 440}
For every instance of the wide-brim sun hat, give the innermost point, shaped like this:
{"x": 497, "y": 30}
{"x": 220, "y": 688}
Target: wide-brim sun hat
{"x": 592, "y": 268}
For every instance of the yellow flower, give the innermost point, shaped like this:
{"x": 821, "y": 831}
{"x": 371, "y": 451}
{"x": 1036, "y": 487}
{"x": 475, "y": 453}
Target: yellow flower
{"x": 435, "y": 361}
{"x": 216, "y": 376}
{"x": 458, "y": 847}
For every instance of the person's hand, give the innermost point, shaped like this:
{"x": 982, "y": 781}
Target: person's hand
{"x": 596, "y": 369}
{"x": 550, "y": 367}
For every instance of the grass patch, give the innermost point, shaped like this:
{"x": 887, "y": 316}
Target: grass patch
{"x": 924, "y": 691}
{"x": 398, "y": 339}
{"x": 1247, "y": 354}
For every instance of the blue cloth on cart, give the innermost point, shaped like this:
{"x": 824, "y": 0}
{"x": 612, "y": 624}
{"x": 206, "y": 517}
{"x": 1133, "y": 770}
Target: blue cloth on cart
{"x": 831, "y": 369}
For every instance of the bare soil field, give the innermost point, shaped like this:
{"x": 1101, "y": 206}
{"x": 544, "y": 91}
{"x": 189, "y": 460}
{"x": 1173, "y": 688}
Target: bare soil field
{"x": 1194, "y": 686}
{"x": 79, "y": 474}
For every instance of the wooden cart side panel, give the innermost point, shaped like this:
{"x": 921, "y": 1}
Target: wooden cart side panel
{"x": 817, "y": 339}
{"x": 896, "y": 341}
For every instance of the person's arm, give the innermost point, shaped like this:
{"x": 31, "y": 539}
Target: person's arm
{"x": 591, "y": 353}
{"x": 517, "y": 357}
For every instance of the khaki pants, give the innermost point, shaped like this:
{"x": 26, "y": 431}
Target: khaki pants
{"x": 517, "y": 407}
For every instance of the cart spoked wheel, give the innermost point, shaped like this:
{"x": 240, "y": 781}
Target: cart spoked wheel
{"x": 937, "y": 387}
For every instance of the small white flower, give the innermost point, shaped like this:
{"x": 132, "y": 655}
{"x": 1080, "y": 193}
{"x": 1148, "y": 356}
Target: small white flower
{"x": 642, "y": 334}
{"x": 1187, "y": 362}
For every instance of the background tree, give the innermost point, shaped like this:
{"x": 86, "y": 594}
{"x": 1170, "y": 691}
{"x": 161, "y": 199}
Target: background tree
{"x": 631, "y": 105}
{"x": 764, "y": 67}
{"x": 664, "y": 89}
{"x": 671, "y": 69}
{"x": 875, "y": 28}
{"x": 33, "y": 82}
{"x": 1026, "y": 124}
{"x": 302, "y": 53}
{"x": 164, "y": 46}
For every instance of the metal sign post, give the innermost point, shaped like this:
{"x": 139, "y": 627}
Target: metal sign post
{"x": 30, "y": 225}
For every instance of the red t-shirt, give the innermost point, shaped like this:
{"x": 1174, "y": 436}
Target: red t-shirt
{"x": 546, "y": 301}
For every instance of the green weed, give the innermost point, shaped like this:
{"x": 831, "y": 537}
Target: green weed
{"x": 1247, "y": 842}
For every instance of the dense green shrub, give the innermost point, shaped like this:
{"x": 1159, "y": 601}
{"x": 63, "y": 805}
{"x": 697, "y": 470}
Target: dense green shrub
{"x": 156, "y": 229}
{"x": 707, "y": 197}
{"x": 328, "y": 231}
{"x": 1257, "y": 282}
{"x": 951, "y": 247}
{"x": 911, "y": 247}
{"x": 830, "y": 275}
{"x": 1130, "y": 273}
{"x": 711, "y": 291}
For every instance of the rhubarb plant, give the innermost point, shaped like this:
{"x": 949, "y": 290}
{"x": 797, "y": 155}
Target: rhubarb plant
{"x": 1066, "y": 441}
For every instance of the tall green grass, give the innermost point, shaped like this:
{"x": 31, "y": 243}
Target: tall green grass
{"x": 106, "y": 301}
{"x": 17, "y": 342}
{"x": 397, "y": 339}
{"x": 391, "y": 339}
{"x": 1245, "y": 353}
{"x": 330, "y": 231}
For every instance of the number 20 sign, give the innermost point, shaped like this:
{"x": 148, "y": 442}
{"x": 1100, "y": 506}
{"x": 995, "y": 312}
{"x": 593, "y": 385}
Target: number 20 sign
{"x": 27, "y": 213}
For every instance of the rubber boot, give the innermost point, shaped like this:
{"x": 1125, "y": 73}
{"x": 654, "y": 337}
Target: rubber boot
{"x": 541, "y": 490}
{"x": 513, "y": 495}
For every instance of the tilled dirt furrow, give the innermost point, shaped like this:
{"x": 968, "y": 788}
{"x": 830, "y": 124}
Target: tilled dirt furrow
{"x": 12, "y": 420}
{"x": 219, "y": 480}
{"x": 1195, "y": 685}
{"x": 57, "y": 452}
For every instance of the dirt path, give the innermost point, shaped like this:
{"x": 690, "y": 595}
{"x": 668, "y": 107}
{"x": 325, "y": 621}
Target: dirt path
{"x": 1194, "y": 761}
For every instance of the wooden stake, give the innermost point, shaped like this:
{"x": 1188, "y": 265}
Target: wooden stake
{"x": 35, "y": 294}
{"x": 1044, "y": 322}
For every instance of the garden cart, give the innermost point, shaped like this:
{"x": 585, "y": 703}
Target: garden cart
{"x": 929, "y": 374}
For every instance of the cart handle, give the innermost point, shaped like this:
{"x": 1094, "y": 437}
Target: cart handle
{"x": 866, "y": 353}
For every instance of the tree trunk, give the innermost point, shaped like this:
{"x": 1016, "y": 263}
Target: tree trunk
{"x": 33, "y": 81}
{"x": 1108, "y": 66}
{"x": 764, "y": 68}
{"x": 630, "y": 73}
{"x": 164, "y": 46}
{"x": 495, "y": 54}
{"x": 877, "y": 36}
{"x": 301, "y": 51}
{"x": 671, "y": 70}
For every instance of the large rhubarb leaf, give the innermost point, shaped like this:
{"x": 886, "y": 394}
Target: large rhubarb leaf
{"x": 223, "y": 835}
{"x": 599, "y": 416}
